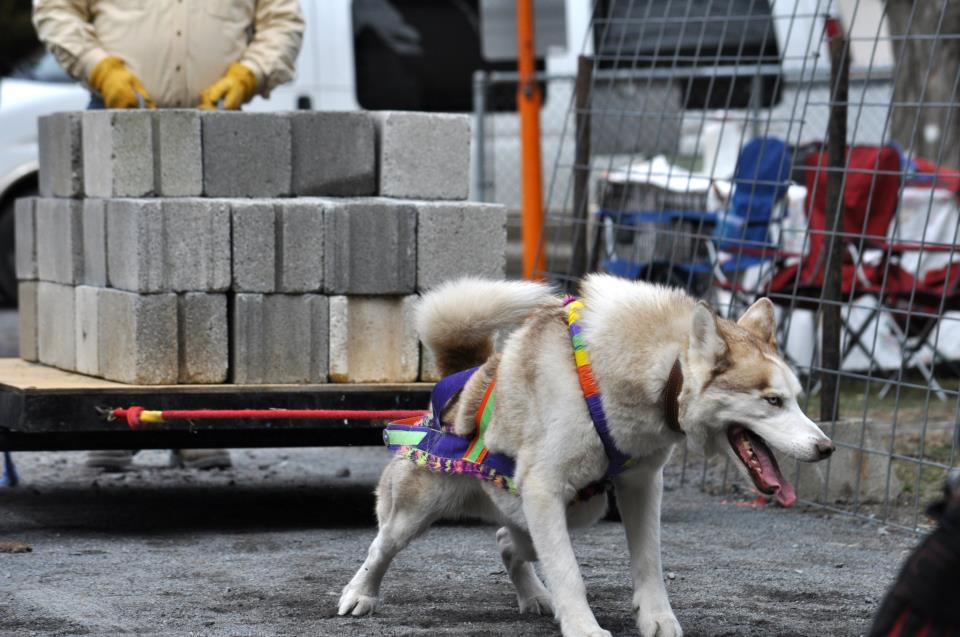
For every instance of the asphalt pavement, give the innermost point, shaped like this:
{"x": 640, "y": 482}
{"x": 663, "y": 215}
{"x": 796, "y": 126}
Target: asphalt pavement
{"x": 264, "y": 549}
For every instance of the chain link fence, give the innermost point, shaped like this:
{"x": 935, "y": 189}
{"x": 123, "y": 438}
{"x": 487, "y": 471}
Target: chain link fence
{"x": 806, "y": 153}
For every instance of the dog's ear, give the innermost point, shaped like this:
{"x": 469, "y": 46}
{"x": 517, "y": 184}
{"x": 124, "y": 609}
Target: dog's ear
{"x": 707, "y": 346}
{"x": 760, "y": 320}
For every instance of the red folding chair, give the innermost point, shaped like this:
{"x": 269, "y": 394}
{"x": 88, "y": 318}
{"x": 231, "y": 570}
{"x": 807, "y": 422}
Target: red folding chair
{"x": 919, "y": 308}
{"x": 920, "y": 301}
{"x": 869, "y": 204}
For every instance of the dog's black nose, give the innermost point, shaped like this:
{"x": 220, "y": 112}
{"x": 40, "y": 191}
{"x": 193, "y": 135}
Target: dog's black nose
{"x": 825, "y": 448}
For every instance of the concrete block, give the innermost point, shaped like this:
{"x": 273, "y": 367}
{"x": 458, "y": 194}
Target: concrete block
{"x": 334, "y": 154}
{"x": 27, "y": 314}
{"x": 88, "y": 329}
{"x": 94, "y": 242}
{"x": 25, "y": 238}
{"x": 428, "y": 366}
{"x": 372, "y": 340}
{"x": 139, "y": 344}
{"x": 60, "y": 240}
{"x": 178, "y": 156}
{"x": 253, "y": 229}
{"x": 56, "y": 309}
{"x": 135, "y": 246}
{"x": 178, "y": 245}
{"x": 836, "y": 479}
{"x": 279, "y": 338}
{"x": 246, "y": 154}
{"x": 61, "y": 155}
{"x": 197, "y": 246}
{"x": 456, "y": 239}
{"x": 424, "y": 155}
{"x": 370, "y": 247}
{"x": 118, "y": 153}
{"x": 278, "y": 246}
{"x": 46, "y": 154}
{"x": 203, "y": 341}
{"x": 300, "y": 239}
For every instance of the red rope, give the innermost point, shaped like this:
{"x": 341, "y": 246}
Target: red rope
{"x": 132, "y": 414}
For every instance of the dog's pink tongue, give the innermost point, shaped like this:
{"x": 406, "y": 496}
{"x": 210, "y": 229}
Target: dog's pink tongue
{"x": 785, "y": 494}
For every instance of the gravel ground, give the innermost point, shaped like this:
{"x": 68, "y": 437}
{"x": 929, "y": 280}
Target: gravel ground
{"x": 264, "y": 549}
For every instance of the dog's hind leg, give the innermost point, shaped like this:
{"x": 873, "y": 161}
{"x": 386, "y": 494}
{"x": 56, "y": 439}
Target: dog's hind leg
{"x": 409, "y": 500}
{"x": 518, "y": 555}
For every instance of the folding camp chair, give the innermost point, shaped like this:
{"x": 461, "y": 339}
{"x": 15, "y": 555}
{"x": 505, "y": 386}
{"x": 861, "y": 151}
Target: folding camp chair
{"x": 746, "y": 235}
{"x": 920, "y": 305}
{"x": 868, "y": 206}
{"x": 652, "y": 216}
{"x": 681, "y": 246}
{"x": 934, "y": 290}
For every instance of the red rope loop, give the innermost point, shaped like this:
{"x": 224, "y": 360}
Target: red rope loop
{"x": 132, "y": 415}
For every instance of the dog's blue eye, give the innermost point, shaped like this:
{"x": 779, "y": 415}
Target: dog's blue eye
{"x": 776, "y": 401}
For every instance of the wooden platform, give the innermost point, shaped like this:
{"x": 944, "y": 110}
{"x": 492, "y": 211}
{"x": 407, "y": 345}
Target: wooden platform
{"x": 46, "y": 408}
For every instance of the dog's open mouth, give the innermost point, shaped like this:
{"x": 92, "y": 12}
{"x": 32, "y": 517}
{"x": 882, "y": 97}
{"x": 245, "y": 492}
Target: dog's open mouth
{"x": 762, "y": 466}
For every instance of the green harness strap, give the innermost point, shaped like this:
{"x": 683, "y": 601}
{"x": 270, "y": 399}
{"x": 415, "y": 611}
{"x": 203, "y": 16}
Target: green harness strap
{"x": 403, "y": 437}
{"x": 477, "y": 450}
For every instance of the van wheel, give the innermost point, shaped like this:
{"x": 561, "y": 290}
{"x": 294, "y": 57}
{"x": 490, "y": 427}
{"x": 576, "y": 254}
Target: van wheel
{"x": 8, "y": 261}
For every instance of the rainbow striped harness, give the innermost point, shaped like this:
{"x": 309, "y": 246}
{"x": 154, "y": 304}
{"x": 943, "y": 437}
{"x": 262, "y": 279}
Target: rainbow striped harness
{"x": 430, "y": 443}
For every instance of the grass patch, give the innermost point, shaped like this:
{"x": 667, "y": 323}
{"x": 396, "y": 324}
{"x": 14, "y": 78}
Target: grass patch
{"x": 910, "y": 406}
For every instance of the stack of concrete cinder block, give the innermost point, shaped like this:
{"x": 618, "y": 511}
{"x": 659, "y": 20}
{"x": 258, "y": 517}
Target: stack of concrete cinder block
{"x": 177, "y": 247}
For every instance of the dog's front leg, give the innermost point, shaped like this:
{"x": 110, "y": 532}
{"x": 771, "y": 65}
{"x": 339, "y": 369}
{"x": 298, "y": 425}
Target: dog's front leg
{"x": 545, "y": 509}
{"x": 638, "y": 496}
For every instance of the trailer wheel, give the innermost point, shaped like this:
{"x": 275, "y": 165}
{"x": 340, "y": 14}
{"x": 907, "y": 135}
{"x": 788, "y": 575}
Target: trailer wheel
{"x": 8, "y": 264}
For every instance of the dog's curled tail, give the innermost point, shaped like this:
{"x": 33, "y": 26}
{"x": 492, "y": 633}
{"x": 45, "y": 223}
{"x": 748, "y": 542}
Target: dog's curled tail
{"x": 458, "y": 320}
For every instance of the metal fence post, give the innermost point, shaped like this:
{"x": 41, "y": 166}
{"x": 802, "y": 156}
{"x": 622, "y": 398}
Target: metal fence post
{"x": 581, "y": 174}
{"x": 478, "y": 173}
{"x": 832, "y": 283}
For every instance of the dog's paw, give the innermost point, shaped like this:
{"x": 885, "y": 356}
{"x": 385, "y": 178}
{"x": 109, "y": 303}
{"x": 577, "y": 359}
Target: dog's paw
{"x": 353, "y": 603}
{"x": 662, "y": 625}
{"x": 537, "y": 605}
{"x": 594, "y": 631}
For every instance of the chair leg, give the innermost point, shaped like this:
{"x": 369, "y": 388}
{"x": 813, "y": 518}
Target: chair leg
{"x": 855, "y": 339}
{"x": 910, "y": 350}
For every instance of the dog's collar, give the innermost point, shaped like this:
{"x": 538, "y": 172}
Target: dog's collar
{"x": 671, "y": 392}
{"x": 619, "y": 461}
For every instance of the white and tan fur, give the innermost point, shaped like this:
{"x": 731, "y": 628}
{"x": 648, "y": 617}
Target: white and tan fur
{"x": 634, "y": 332}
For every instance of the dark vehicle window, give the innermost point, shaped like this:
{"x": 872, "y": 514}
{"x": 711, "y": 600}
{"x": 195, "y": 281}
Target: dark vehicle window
{"x": 421, "y": 55}
{"x": 692, "y": 33}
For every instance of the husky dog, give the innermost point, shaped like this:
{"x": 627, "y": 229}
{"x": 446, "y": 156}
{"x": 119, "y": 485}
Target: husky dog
{"x": 731, "y": 391}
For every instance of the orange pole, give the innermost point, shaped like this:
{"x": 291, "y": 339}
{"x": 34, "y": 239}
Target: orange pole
{"x": 528, "y": 103}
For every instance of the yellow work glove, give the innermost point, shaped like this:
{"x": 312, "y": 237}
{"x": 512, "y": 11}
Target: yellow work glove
{"x": 117, "y": 86}
{"x": 235, "y": 88}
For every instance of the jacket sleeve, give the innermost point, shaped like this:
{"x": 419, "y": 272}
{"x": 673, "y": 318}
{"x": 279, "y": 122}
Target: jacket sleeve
{"x": 277, "y": 36}
{"x": 65, "y": 27}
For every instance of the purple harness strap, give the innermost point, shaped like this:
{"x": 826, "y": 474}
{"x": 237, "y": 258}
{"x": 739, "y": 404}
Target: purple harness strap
{"x": 448, "y": 387}
{"x": 618, "y": 461}
{"x": 441, "y": 442}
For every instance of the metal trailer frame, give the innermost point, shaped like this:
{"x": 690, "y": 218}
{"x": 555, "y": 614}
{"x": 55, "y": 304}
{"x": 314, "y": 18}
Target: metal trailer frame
{"x": 46, "y": 409}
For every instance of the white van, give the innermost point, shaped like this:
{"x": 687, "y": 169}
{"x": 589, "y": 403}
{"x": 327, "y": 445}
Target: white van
{"x": 412, "y": 55}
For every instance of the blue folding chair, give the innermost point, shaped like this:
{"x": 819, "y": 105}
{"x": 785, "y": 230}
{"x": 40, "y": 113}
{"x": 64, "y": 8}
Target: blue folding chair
{"x": 760, "y": 183}
{"x": 679, "y": 246}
